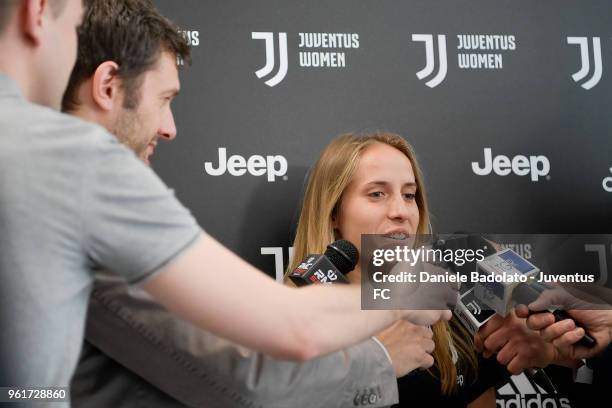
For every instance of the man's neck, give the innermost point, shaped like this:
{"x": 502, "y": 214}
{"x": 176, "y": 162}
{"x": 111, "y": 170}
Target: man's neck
{"x": 84, "y": 112}
{"x": 20, "y": 63}
{"x": 16, "y": 66}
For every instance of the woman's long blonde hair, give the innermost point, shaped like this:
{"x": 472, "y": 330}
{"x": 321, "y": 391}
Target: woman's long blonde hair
{"x": 327, "y": 182}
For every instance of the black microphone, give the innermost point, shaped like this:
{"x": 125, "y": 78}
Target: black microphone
{"x": 339, "y": 259}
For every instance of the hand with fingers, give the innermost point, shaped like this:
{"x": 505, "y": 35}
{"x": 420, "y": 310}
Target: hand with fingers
{"x": 409, "y": 346}
{"x": 517, "y": 346}
{"x": 565, "y": 336}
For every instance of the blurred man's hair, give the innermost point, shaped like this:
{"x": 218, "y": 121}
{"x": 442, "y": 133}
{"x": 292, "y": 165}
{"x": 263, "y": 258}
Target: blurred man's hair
{"x": 7, "y": 9}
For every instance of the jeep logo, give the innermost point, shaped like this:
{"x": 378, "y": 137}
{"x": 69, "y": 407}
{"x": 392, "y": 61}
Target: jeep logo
{"x": 236, "y": 165}
{"x": 536, "y": 166}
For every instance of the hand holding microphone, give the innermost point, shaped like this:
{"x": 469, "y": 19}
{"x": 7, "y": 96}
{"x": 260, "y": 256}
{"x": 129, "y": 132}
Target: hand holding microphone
{"x": 486, "y": 310}
{"x": 514, "y": 344}
{"x": 555, "y": 301}
{"x": 409, "y": 346}
{"x": 513, "y": 338}
{"x": 341, "y": 257}
{"x": 567, "y": 336}
{"x": 503, "y": 295}
{"x": 517, "y": 346}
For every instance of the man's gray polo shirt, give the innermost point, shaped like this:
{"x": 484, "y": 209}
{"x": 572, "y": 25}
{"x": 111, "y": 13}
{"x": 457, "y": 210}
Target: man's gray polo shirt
{"x": 72, "y": 200}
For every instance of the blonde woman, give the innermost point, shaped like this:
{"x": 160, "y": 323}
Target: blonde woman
{"x": 372, "y": 184}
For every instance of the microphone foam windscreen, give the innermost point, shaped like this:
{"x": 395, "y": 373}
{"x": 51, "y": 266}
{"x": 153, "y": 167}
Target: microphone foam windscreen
{"x": 343, "y": 255}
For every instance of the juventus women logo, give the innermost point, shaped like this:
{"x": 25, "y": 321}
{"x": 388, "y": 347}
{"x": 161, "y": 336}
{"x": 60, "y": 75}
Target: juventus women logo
{"x": 429, "y": 59}
{"x": 583, "y": 42}
{"x": 270, "y": 60}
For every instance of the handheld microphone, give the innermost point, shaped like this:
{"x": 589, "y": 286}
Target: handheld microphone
{"x": 475, "y": 309}
{"x": 339, "y": 259}
{"x": 502, "y": 296}
{"x": 473, "y": 314}
{"x": 525, "y": 294}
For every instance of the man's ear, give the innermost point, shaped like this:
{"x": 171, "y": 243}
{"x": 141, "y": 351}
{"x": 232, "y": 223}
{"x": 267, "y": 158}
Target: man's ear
{"x": 106, "y": 86}
{"x": 32, "y": 15}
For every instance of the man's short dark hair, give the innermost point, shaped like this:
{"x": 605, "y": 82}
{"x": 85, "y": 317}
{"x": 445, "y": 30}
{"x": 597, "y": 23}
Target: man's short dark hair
{"x": 131, "y": 33}
{"x": 7, "y": 7}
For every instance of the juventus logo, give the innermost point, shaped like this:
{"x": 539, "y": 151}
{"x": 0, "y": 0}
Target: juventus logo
{"x": 474, "y": 308}
{"x": 429, "y": 58}
{"x": 583, "y": 42}
{"x": 270, "y": 59}
{"x": 607, "y": 185}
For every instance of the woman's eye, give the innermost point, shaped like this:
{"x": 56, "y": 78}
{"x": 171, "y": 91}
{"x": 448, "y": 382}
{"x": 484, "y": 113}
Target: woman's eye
{"x": 410, "y": 196}
{"x": 376, "y": 194}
